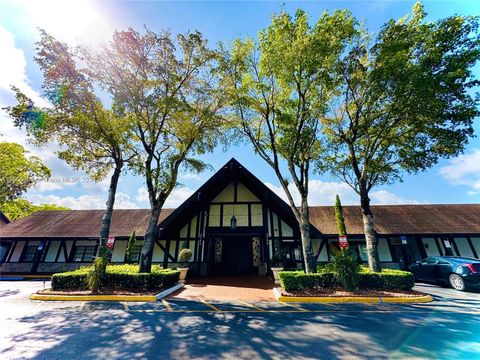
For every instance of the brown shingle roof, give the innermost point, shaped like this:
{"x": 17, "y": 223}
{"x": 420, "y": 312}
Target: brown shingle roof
{"x": 79, "y": 223}
{"x": 403, "y": 219}
{"x": 389, "y": 219}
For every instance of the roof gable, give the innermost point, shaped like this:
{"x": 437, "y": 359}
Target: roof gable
{"x": 215, "y": 187}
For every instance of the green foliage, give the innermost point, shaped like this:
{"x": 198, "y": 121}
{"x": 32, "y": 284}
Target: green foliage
{"x": 118, "y": 277}
{"x": 185, "y": 255}
{"x": 345, "y": 269}
{"x": 388, "y": 279}
{"x": 96, "y": 274}
{"x": 19, "y": 208}
{"x": 405, "y": 100}
{"x": 71, "y": 280}
{"x": 19, "y": 172}
{"x": 131, "y": 242}
{"x": 385, "y": 280}
{"x": 298, "y": 280}
{"x": 339, "y": 217}
{"x": 278, "y": 90}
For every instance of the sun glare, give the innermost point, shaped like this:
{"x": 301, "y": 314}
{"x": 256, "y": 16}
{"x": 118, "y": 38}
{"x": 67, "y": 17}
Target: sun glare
{"x": 73, "y": 21}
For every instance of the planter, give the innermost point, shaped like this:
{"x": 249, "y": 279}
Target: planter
{"x": 183, "y": 275}
{"x": 275, "y": 271}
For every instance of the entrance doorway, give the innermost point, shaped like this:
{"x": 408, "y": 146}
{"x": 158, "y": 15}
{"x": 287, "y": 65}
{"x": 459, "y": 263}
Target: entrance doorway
{"x": 237, "y": 255}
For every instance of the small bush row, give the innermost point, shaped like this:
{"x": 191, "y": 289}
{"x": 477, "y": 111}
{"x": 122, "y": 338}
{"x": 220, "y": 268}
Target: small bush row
{"x": 385, "y": 280}
{"x": 118, "y": 277}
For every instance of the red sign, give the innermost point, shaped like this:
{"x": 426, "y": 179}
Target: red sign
{"x": 110, "y": 242}
{"x": 343, "y": 241}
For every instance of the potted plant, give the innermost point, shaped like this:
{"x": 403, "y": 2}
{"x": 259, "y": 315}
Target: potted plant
{"x": 184, "y": 256}
{"x": 276, "y": 264}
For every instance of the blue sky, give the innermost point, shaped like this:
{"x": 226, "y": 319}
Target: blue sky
{"x": 451, "y": 181}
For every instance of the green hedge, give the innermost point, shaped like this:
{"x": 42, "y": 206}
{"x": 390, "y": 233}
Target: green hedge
{"x": 118, "y": 277}
{"x": 298, "y": 280}
{"x": 386, "y": 280}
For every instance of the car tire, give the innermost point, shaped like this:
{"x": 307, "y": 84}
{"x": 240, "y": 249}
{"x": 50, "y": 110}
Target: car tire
{"x": 456, "y": 282}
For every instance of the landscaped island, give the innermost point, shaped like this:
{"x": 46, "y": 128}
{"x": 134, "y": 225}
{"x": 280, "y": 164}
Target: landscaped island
{"x": 118, "y": 279}
{"x": 345, "y": 279}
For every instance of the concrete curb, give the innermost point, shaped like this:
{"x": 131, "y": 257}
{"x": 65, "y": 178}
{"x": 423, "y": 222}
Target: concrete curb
{"x": 169, "y": 291}
{"x": 143, "y": 298}
{"x": 350, "y": 299}
{"x": 128, "y": 298}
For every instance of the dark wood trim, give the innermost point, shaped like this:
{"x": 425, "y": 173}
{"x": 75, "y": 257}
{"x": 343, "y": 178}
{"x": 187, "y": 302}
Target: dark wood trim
{"x": 12, "y": 250}
{"x": 470, "y": 243}
{"x": 45, "y": 252}
{"x": 22, "y": 255}
{"x": 393, "y": 255}
{"x": 166, "y": 253}
{"x": 279, "y": 228}
{"x": 235, "y": 202}
{"x": 177, "y": 244}
{"x": 438, "y": 245}
{"x": 249, "y": 214}
{"x": 454, "y": 244}
{"x": 320, "y": 248}
{"x": 221, "y": 215}
{"x": 59, "y": 250}
{"x": 235, "y": 190}
{"x": 72, "y": 251}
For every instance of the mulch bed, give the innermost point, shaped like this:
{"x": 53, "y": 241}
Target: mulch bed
{"x": 338, "y": 292}
{"x": 104, "y": 291}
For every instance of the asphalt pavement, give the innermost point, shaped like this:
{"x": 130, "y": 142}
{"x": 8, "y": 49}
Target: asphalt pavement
{"x": 446, "y": 328}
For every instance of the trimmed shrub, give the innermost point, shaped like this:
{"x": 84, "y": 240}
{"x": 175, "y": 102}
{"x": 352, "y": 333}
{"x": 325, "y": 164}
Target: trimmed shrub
{"x": 184, "y": 256}
{"x": 118, "y": 277}
{"x": 71, "y": 280}
{"x": 386, "y": 280}
{"x": 298, "y": 280}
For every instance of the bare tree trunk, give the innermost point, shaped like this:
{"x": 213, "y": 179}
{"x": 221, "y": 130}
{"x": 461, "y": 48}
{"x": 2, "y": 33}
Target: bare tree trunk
{"x": 145, "y": 261}
{"x": 369, "y": 229}
{"x": 102, "y": 250}
{"x": 308, "y": 255}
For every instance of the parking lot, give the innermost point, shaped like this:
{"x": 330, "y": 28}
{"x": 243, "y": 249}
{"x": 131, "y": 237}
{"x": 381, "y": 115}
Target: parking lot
{"x": 176, "y": 328}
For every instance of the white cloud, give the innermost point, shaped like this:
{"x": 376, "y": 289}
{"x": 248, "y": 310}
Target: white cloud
{"x": 176, "y": 198}
{"x": 190, "y": 176}
{"x": 83, "y": 202}
{"x": 324, "y": 192}
{"x": 464, "y": 170}
{"x": 12, "y": 70}
{"x": 383, "y": 197}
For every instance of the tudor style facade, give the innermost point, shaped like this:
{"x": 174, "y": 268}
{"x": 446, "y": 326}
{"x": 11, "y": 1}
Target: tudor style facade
{"x": 234, "y": 224}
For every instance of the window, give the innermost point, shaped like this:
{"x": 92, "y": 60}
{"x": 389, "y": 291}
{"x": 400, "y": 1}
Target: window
{"x": 83, "y": 253}
{"x": 135, "y": 253}
{"x": 29, "y": 253}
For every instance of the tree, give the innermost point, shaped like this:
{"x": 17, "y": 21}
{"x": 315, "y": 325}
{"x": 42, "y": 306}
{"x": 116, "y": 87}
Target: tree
{"x": 130, "y": 244}
{"x": 166, "y": 88}
{"x": 339, "y": 219}
{"x": 19, "y": 208}
{"x": 403, "y": 104}
{"x": 279, "y": 89}
{"x": 19, "y": 172}
{"x": 92, "y": 137}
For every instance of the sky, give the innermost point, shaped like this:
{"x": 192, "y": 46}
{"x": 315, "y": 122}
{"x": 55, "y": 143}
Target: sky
{"x": 454, "y": 180}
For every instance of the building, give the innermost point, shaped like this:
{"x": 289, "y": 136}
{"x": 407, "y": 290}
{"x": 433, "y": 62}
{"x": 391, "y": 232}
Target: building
{"x": 234, "y": 224}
